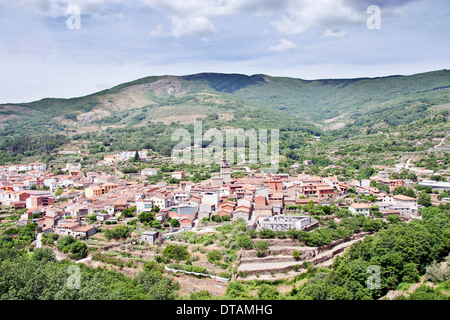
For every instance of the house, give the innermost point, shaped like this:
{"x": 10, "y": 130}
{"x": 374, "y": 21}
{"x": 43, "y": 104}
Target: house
{"x": 18, "y": 204}
{"x": 100, "y": 190}
{"x": 84, "y": 232}
{"x": 325, "y": 192}
{"x": 51, "y": 218}
{"x": 284, "y": 223}
{"x": 178, "y": 175}
{"x": 120, "y": 204}
{"x": 161, "y": 215}
{"x": 243, "y": 212}
{"x": 210, "y": 198}
{"x": 186, "y": 210}
{"x": 78, "y": 212}
{"x": 332, "y": 181}
{"x": 222, "y": 213}
{"x": 144, "y": 205}
{"x": 305, "y": 201}
{"x": 111, "y": 158}
{"x": 161, "y": 200}
{"x": 104, "y": 178}
{"x": 186, "y": 222}
{"x": 357, "y": 208}
{"x": 203, "y": 214}
{"x": 102, "y": 217}
{"x": 181, "y": 196}
{"x": 396, "y": 183}
{"x": 149, "y": 172}
{"x": 403, "y": 204}
{"x": 6, "y": 197}
{"x": 227, "y": 206}
{"x": 149, "y": 237}
{"x": 126, "y": 155}
{"x": 66, "y": 229}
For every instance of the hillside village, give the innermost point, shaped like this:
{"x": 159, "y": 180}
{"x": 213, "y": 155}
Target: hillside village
{"x": 85, "y": 204}
{"x": 249, "y": 198}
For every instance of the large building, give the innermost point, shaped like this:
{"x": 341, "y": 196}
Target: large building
{"x": 98, "y": 191}
{"x": 284, "y": 223}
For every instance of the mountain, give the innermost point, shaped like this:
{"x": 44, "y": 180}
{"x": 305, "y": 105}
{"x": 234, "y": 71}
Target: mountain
{"x": 138, "y": 112}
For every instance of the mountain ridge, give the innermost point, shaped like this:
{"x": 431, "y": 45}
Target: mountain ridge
{"x": 324, "y": 103}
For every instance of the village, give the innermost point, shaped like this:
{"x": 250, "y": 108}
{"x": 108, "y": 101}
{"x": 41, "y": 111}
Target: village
{"x": 80, "y": 205}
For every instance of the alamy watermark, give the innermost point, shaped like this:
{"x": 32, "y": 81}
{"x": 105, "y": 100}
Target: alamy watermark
{"x": 73, "y": 22}
{"x": 74, "y": 280}
{"x": 374, "y": 20}
{"x": 241, "y": 146}
{"x": 374, "y": 280}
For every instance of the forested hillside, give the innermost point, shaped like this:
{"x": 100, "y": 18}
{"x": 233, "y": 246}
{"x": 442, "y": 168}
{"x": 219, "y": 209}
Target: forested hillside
{"x": 144, "y": 113}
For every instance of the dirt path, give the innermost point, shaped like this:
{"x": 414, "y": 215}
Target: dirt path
{"x": 392, "y": 294}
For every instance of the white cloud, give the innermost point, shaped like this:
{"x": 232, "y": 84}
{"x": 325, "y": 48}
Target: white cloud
{"x": 298, "y": 16}
{"x": 192, "y": 26}
{"x": 159, "y": 31}
{"x": 283, "y": 45}
{"x": 193, "y": 17}
{"x": 333, "y": 33}
{"x": 307, "y": 15}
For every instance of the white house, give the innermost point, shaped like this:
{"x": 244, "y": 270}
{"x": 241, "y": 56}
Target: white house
{"x": 404, "y": 204}
{"x": 161, "y": 200}
{"x": 362, "y": 208}
{"x": 149, "y": 172}
{"x": 144, "y": 205}
{"x": 178, "y": 175}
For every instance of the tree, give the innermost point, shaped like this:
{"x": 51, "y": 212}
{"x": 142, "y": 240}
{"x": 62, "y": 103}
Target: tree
{"x": 424, "y": 199}
{"x": 146, "y": 217}
{"x": 174, "y": 223}
{"x": 136, "y": 156}
{"x": 43, "y": 254}
{"x": 156, "y": 224}
{"x": 176, "y": 252}
{"x": 129, "y": 212}
{"x": 266, "y": 234}
{"x": 59, "y": 192}
{"x": 443, "y": 195}
{"x": 393, "y": 218}
{"x": 78, "y": 250}
{"x": 214, "y": 256}
{"x": 410, "y": 273}
{"x": 244, "y": 242}
{"x": 92, "y": 218}
{"x": 236, "y": 290}
{"x": 201, "y": 295}
{"x": 434, "y": 273}
{"x": 119, "y": 232}
{"x": 370, "y": 225}
{"x": 261, "y": 248}
{"x": 425, "y": 292}
{"x": 156, "y": 286}
{"x": 267, "y": 292}
{"x": 63, "y": 244}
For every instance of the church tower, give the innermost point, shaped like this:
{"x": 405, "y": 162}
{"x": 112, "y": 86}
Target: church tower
{"x": 225, "y": 170}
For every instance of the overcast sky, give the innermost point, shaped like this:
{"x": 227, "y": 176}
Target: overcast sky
{"x": 44, "y": 54}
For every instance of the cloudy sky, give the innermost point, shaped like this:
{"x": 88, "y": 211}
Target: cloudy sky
{"x": 48, "y": 50}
